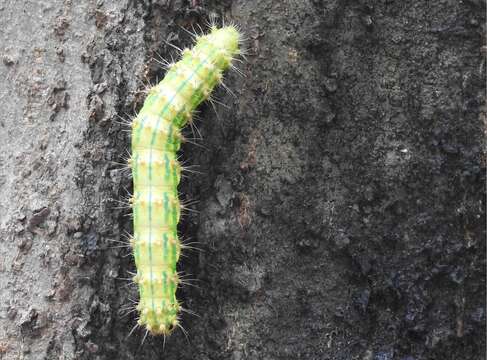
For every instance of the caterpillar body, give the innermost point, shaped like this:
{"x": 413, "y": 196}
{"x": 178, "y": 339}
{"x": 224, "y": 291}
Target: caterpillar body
{"x": 156, "y": 138}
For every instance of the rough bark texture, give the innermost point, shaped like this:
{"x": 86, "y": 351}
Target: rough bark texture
{"x": 341, "y": 205}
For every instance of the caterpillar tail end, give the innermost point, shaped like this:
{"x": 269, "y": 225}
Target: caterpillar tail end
{"x": 157, "y": 321}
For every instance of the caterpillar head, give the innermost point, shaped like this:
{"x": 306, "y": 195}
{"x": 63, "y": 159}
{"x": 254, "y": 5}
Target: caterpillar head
{"x": 227, "y": 38}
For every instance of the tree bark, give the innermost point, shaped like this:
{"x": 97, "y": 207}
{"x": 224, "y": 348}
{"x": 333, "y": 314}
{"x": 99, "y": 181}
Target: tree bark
{"x": 341, "y": 200}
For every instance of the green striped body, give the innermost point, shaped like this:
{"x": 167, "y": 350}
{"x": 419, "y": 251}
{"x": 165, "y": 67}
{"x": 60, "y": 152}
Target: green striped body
{"x": 156, "y": 138}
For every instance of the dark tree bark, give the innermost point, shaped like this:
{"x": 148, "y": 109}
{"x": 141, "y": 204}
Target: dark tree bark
{"x": 341, "y": 205}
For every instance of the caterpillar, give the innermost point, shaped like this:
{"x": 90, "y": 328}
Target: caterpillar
{"x": 155, "y": 140}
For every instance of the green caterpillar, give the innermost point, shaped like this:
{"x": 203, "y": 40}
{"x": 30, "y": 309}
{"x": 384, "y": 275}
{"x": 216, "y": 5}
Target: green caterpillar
{"x": 156, "y": 138}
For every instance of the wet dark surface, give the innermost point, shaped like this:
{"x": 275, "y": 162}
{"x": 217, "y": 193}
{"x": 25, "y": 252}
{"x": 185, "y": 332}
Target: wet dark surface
{"x": 341, "y": 209}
